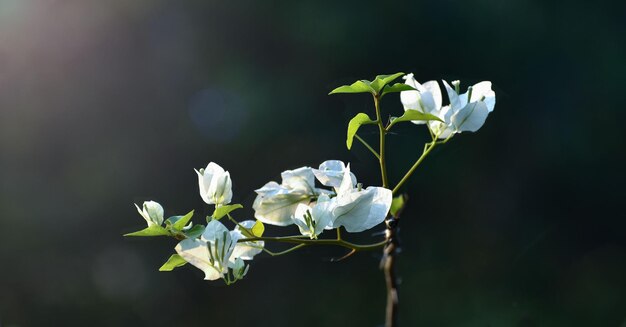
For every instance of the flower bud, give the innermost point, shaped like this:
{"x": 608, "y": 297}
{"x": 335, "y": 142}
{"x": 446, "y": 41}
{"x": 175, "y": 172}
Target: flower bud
{"x": 215, "y": 185}
{"x": 152, "y": 212}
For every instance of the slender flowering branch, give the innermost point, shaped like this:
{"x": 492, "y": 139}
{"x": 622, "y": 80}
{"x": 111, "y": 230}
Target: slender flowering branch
{"x": 297, "y": 200}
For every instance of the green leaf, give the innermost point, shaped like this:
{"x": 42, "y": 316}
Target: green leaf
{"x": 194, "y": 231}
{"x": 153, "y": 230}
{"x": 182, "y": 222}
{"x": 356, "y": 87}
{"x": 224, "y": 210}
{"x": 258, "y": 229}
{"x": 178, "y": 222}
{"x": 389, "y": 78}
{"x": 354, "y": 124}
{"x": 415, "y": 115}
{"x": 382, "y": 80}
{"x": 398, "y": 87}
{"x": 397, "y": 204}
{"x": 174, "y": 261}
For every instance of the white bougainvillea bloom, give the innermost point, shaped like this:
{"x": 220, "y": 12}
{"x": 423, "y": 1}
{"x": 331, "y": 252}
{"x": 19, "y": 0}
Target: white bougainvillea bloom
{"x": 467, "y": 112}
{"x": 312, "y": 220}
{"x": 213, "y": 252}
{"x": 330, "y": 173}
{"x": 275, "y": 203}
{"x": 246, "y": 250}
{"x": 360, "y": 209}
{"x": 240, "y": 269}
{"x": 215, "y": 185}
{"x": 152, "y": 212}
{"x": 425, "y": 99}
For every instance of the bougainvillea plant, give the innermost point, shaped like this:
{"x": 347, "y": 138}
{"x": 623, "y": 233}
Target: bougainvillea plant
{"x": 322, "y": 202}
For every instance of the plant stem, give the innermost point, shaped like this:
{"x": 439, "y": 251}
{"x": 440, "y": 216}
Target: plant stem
{"x": 388, "y": 264}
{"x": 391, "y": 241}
{"x": 274, "y": 254}
{"x": 382, "y": 133}
{"x": 406, "y": 177}
{"x": 367, "y": 146}
{"x": 345, "y": 244}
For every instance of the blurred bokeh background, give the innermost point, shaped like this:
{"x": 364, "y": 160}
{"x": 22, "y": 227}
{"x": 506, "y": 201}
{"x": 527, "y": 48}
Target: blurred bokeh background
{"x": 106, "y": 103}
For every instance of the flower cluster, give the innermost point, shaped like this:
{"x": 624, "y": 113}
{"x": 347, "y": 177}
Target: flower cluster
{"x": 466, "y": 112}
{"x": 220, "y": 253}
{"x": 315, "y": 200}
{"x": 297, "y": 201}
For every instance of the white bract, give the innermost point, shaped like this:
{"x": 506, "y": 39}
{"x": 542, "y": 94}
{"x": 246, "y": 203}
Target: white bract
{"x": 313, "y": 220}
{"x": 466, "y": 112}
{"x": 276, "y": 203}
{"x": 152, "y": 212}
{"x": 215, "y": 185}
{"x": 426, "y": 99}
{"x": 353, "y": 208}
{"x": 330, "y": 173}
{"x": 246, "y": 250}
{"x": 359, "y": 209}
{"x": 216, "y": 251}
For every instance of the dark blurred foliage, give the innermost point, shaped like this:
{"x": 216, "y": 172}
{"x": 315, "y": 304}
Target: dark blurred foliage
{"x": 106, "y": 103}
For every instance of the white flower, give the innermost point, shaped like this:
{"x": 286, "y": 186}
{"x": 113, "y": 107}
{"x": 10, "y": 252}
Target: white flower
{"x": 215, "y": 185}
{"x": 426, "y": 99}
{"x": 358, "y": 210}
{"x": 313, "y": 220}
{"x": 276, "y": 203}
{"x": 330, "y": 173}
{"x": 467, "y": 112}
{"x": 246, "y": 250}
{"x": 240, "y": 269}
{"x": 152, "y": 212}
{"x": 213, "y": 252}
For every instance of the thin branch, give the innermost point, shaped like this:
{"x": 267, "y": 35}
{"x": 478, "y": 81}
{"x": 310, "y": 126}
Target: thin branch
{"x": 367, "y": 146}
{"x": 273, "y": 254}
{"x": 353, "y": 251}
{"x": 345, "y": 244}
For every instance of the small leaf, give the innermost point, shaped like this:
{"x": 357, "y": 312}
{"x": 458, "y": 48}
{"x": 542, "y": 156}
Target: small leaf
{"x": 258, "y": 229}
{"x": 194, "y": 231}
{"x": 224, "y": 210}
{"x": 183, "y": 221}
{"x": 153, "y": 230}
{"x": 398, "y": 87}
{"x": 354, "y": 124}
{"x": 382, "y": 80}
{"x": 178, "y": 222}
{"x": 397, "y": 204}
{"x": 356, "y": 87}
{"x": 415, "y": 115}
{"x": 389, "y": 78}
{"x": 174, "y": 261}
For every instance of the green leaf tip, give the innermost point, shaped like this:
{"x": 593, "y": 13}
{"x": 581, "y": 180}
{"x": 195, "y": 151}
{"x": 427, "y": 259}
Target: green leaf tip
{"x": 397, "y": 205}
{"x": 356, "y": 87}
{"x": 364, "y": 86}
{"x": 258, "y": 229}
{"x": 179, "y": 222}
{"x": 398, "y": 87}
{"x": 154, "y": 230}
{"x": 353, "y": 127}
{"x": 174, "y": 261}
{"x": 222, "y": 211}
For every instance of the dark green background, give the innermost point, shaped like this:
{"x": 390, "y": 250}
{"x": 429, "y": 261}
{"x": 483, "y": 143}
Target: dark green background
{"x": 106, "y": 103}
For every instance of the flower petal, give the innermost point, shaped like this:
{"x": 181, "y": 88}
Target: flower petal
{"x": 330, "y": 173}
{"x": 245, "y": 250}
{"x": 362, "y": 210}
{"x": 299, "y": 179}
{"x": 196, "y": 253}
{"x": 471, "y": 118}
